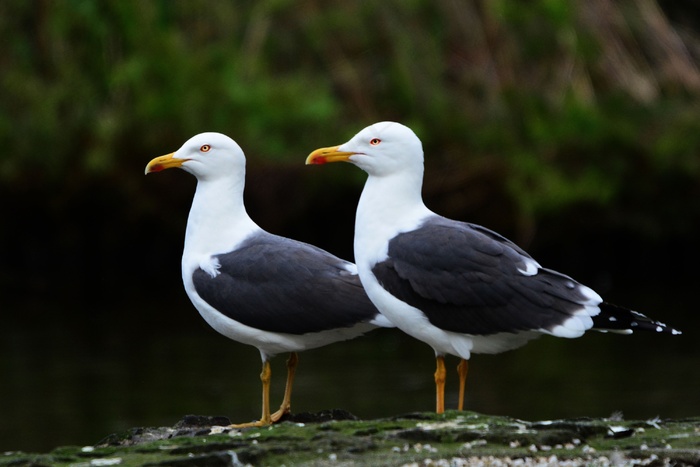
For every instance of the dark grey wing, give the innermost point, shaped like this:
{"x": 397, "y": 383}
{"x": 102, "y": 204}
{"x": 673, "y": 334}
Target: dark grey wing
{"x": 281, "y": 285}
{"x": 495, "y": 236}
{"x": 468, "y": 279}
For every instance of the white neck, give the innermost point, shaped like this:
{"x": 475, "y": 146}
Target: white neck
{"x": 388, "y": 204}
{"x": 218, "y": 220}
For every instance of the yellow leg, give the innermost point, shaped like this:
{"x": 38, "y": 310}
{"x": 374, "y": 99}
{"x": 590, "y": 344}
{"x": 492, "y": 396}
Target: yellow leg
{"x": 440, "y": 384}
{"x": 286, "y": 406}
{"x": 265, "y": 419}
{"x": 462, "y": 369}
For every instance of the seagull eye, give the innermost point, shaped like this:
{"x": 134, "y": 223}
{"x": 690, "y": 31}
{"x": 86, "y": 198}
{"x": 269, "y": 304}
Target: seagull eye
{"x": 205, "y": 148}
{"x": 375, "y": 141}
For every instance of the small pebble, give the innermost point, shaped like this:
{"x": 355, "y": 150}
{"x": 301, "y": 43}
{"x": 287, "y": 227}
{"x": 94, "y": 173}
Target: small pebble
{"x": 112, "y": 461}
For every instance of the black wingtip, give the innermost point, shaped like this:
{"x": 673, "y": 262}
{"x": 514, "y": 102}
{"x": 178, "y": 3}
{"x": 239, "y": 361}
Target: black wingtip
{"x": 616, "y": 318}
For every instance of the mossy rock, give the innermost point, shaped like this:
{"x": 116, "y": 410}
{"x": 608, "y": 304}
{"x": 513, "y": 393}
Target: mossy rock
{"x": 332, "y": 437}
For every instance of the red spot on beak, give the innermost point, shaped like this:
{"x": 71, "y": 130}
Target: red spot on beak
{"x": 156, "y": 168}
{"x": 319, "y": 160}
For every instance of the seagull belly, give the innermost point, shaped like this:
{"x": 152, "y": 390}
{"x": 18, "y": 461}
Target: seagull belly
{"x": 273, "y": 343}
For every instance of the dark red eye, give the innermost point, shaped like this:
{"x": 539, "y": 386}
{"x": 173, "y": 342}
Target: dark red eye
{"x": 375, "y": 141}
{"x": 205, "y": 148}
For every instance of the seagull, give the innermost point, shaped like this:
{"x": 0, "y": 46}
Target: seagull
{"x": 260, "y": 289}
{"x": 459, "y": 287}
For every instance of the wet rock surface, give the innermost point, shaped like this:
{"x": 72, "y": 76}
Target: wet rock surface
{"x": 336, "y": 437}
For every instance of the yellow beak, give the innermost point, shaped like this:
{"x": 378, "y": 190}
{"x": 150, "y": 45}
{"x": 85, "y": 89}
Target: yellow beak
{"x": 164, "y": 162}
{"x": 324, "y": 155}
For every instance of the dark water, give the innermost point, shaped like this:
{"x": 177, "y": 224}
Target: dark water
{"x": 142, "y": 363}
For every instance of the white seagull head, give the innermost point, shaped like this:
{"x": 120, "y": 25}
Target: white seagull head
{"x": 382, "y": 149}
{"x": 207, "y": 156}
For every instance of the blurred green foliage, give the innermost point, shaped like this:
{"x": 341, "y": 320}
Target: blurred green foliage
{"x": 571, "y": 98}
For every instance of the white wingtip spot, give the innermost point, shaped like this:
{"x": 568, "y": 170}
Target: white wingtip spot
{"x": 351, "y": 268}
{"x": 592, "y": 310}
{"x": 531, "y": 267}
{"x": 566, "y": 331}
{"x": 577, "y": 324}
{"x": 590, "y": 294}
